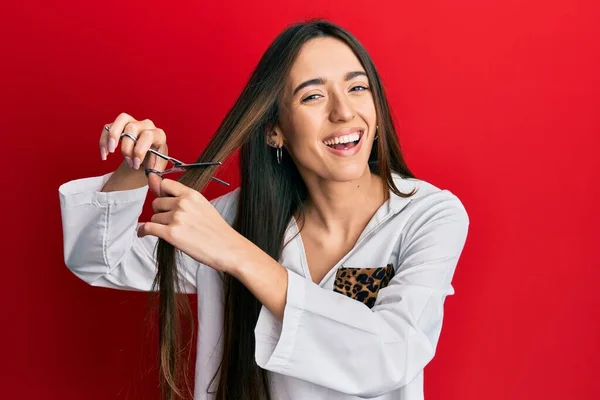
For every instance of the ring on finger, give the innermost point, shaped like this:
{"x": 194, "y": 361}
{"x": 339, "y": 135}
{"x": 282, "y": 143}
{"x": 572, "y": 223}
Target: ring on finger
{"x": 129, "y": 135}
{"x": 106, "y": 128}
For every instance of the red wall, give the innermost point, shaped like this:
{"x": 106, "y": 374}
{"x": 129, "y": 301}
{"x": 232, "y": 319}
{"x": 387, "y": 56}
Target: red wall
{"x": 496, "y": 100}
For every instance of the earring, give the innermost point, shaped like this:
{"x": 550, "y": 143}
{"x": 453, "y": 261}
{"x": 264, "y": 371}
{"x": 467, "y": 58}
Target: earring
{"x": 376, "y": 135}
{"x": 279, "y": 154}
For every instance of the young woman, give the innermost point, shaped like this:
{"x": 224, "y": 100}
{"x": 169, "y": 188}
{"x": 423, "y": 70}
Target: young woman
{"x": 323, "y": 276}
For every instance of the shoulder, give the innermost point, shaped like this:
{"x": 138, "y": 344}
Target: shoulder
{"x": 428, "y": 203}
{"x": 226, "y": 205}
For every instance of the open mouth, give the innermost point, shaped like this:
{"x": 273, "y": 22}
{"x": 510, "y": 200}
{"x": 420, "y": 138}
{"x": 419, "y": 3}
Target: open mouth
{"x": 345, "y": 142}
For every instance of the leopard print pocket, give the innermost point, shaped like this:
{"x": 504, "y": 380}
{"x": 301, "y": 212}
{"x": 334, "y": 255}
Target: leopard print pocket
{"x": 363, "y": 284}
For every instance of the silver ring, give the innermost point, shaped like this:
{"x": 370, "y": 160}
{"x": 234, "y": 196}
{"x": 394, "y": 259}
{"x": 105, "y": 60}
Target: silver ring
{"x": 106, "y": 128}
{"x": 129, "y": 135}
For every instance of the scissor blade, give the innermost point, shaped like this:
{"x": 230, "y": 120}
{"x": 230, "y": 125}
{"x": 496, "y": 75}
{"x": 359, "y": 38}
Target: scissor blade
{"x": 220, "y": 181}
{"x": 165, "y": 157}
{"x": 202, "y": 164}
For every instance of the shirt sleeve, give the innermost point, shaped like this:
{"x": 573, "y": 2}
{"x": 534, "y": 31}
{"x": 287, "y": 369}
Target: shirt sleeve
{"x": 334, "y": 341}
{"x": 100, "y": 241}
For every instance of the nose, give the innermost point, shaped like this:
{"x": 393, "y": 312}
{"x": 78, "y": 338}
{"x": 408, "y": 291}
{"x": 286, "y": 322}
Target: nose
{"x": 341, "y": 109}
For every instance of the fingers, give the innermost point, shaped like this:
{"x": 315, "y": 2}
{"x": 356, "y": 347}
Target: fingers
{"x": 164, "y": 218}
{"x": 103, "y": 142}
{"x": 128, "y": 146}
{"x": 154, "y": 229}
{"x": 143, "y": 144}
{"x": 159, "y": 164}
{"x": 169, "y": 187}
{"x": 164, "y": 204}
{"x": 149, "y": 138}
{"x": 135, "y": 152}
{"x": 154, "y": 184}
{"x": 108, "y": 142}
{"x": 158, "y": 226}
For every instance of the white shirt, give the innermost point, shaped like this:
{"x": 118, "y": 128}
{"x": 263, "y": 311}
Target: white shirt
{"x": 329, "y": 345}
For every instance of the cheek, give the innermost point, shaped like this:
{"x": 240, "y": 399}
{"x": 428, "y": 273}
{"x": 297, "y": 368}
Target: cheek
{"x": 367, "y": 110}
{"x": 307, "y": 118}
{"x": 303, "y": 129}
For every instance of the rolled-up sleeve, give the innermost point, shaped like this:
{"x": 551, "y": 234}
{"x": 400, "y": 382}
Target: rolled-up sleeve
{"x": 334, "y": 341}
{"x": 100, "y": 241}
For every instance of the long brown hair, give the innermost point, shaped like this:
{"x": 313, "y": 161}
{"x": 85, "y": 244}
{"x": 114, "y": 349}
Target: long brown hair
{"x": 270, "y": 193}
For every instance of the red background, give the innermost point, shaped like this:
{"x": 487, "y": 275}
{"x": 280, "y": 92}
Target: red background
{"x": 495, "y": 100}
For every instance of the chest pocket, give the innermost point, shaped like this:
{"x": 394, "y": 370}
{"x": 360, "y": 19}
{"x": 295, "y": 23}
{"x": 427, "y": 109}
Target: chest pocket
{"x": 363, "y": 284}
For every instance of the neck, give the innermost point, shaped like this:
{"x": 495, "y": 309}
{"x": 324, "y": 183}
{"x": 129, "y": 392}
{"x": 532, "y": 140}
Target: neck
{"x": 341, "y": 208}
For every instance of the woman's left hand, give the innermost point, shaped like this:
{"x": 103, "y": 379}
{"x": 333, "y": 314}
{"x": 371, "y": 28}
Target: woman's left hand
{"x": 187, "y": 220}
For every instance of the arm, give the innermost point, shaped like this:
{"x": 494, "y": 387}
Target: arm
{"x": 125, "y": 178}
{"x": 337, "y": 342}
{"x": 100, "y": 243}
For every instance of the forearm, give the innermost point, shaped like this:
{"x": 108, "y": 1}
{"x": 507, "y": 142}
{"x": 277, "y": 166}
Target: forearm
{"x": 263, "y": 276}
{"x": 125, "y": 178}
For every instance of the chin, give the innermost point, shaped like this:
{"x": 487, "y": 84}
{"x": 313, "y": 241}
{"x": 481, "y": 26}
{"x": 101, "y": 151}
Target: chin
{"x": 338, "y": 169}
{"x": 349, "y": 173}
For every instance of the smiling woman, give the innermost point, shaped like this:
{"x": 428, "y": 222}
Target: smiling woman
{"x": 327, "y": 113}
{"x": 323, "y": 276}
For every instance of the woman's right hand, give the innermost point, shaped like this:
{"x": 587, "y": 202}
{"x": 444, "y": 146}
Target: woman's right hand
{"x": 136, "y": 154}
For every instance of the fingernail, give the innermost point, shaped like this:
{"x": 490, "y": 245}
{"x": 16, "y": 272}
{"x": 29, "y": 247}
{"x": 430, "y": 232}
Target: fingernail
{"x": 136, "y": 163}
{"x": 103, "y": 153}
{"x": 112, "y": 145}
{"x": 128, "y": 161}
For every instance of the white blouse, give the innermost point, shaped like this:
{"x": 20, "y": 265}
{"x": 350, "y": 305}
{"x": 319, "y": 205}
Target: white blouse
{"x": 367, "y": 330}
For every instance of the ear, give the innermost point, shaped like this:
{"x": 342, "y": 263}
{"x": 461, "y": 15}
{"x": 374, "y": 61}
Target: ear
{"x": 274, "y": 136}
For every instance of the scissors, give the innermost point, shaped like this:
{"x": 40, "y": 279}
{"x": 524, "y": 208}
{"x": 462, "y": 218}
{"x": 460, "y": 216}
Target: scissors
{"x": 177, "y": 164}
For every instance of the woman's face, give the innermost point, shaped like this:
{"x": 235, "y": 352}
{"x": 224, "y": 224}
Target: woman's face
{"x": 327, "y": 115}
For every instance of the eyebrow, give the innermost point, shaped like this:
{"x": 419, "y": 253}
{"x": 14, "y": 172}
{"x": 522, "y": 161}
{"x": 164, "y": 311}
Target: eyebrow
{"x": 321, "y": 81}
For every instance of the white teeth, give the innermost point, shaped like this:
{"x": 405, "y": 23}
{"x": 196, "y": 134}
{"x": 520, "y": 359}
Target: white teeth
{"x": 353, "y": 137}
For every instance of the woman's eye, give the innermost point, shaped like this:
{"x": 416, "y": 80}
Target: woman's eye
{"x": 311, "y": 97}
{"x": 360, "y": 87}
